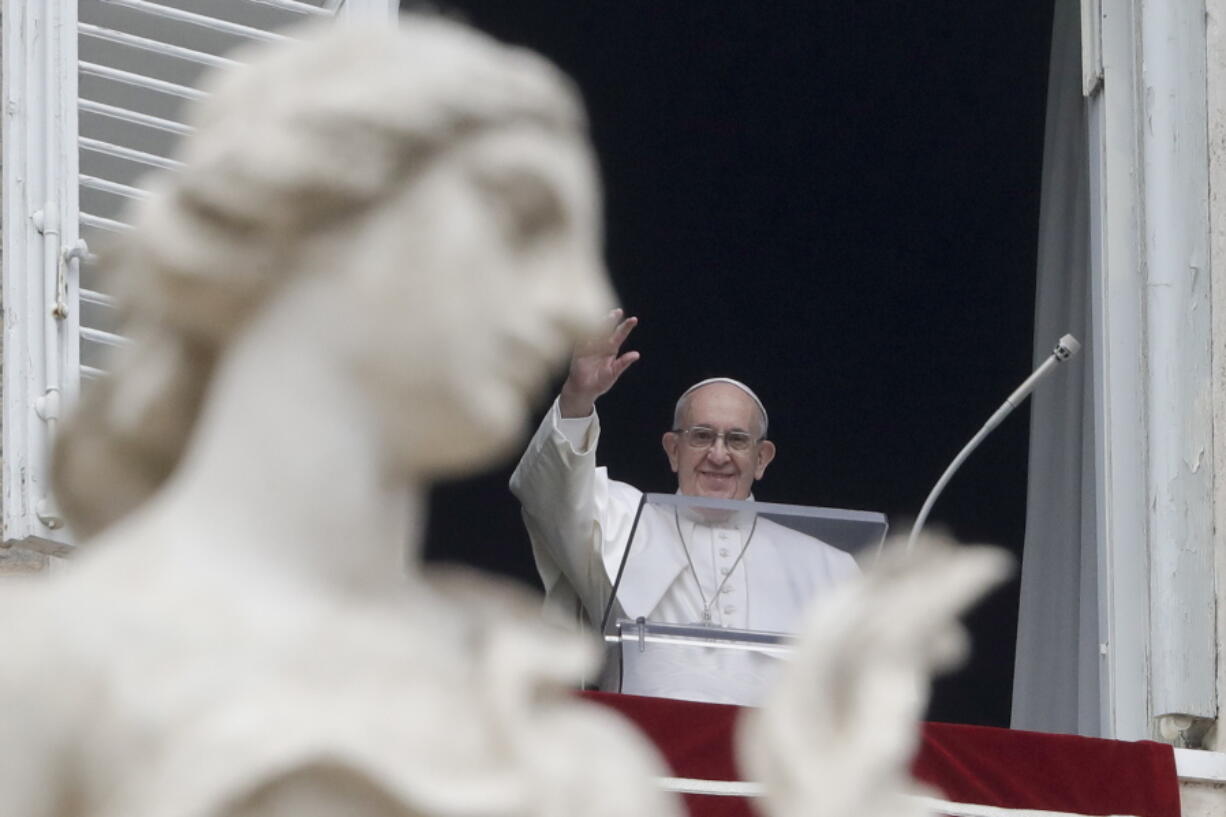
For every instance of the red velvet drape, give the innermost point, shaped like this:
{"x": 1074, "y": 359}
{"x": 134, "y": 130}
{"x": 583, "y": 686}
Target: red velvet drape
{"x": 967, "y": 764}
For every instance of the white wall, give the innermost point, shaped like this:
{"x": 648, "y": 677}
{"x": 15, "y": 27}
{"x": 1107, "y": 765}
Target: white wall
{"x": 1216, "y": 99}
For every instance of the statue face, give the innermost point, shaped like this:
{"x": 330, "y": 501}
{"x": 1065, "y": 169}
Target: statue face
{"x": 480, "y": 278}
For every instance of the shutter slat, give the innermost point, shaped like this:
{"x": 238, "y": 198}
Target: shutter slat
{"x": 115, "y": 188}
{"x": 202, "y": 20}
{"x": 131, "y": 154}
{"x": 135, "y": 117}
{"x": 296, "y": 7}
{"x": 91, "y": 296}
{"x": 139, "y": 80}
{"x": 104, "y": 338}
{"x": 102, "y": 223}
{"x": 153, "y": 46}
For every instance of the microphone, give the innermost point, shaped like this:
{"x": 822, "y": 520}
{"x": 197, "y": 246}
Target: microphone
{"x": 1065, "y": 349}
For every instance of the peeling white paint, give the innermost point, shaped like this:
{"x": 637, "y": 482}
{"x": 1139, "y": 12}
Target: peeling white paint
{"x": 1216, "y": 105}
{"x": 40, "y": 173}
{"x": 1178, "y": 337}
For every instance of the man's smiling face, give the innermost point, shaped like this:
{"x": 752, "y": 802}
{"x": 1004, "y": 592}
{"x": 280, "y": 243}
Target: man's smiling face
{"x": 719, "y": 470}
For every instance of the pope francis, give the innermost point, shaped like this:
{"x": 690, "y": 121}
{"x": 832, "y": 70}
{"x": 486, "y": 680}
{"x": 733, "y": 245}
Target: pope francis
{"x": 740, "y": 570}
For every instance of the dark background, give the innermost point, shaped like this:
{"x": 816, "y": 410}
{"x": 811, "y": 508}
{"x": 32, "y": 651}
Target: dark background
{"x": 838, "y": 204}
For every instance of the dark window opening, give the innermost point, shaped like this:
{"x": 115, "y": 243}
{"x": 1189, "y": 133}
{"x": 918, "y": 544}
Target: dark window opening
{"x": 837, "y": 203}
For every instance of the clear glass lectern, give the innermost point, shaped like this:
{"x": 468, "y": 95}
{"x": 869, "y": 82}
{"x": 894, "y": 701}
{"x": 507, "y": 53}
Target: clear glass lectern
{"x": 709, "y": 592}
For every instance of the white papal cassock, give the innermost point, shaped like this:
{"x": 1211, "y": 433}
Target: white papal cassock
{"x": 579, "y": 522}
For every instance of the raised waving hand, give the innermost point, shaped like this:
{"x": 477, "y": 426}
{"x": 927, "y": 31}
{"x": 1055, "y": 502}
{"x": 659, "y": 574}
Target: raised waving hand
{"x": 596, "y": 365}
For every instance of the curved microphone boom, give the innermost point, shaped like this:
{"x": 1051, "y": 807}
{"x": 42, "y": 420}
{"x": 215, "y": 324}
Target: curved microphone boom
{"x": 1065, "y": 349}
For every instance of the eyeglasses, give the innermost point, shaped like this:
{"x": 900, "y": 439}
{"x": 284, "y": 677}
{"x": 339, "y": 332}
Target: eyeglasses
{"x": 704, "y": 437}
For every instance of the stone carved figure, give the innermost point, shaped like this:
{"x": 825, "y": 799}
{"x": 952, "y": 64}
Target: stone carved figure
{"x": 839, "y": 731}
{"x": 381, "y": 243}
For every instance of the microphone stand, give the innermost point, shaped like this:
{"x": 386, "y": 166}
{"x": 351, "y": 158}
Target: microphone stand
{"x": 1065, "y": 349}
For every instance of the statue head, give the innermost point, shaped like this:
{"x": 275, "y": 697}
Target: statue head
{"x": 441, "y": 185}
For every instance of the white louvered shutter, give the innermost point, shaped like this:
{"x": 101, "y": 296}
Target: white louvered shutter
{"x": 94, "y": 94}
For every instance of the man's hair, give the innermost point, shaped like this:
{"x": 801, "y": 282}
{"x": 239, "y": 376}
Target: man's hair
{"x": 683, "y": 402}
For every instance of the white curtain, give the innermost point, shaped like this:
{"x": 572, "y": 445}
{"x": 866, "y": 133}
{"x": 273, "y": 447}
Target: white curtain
{"x": 1056, "y": 681}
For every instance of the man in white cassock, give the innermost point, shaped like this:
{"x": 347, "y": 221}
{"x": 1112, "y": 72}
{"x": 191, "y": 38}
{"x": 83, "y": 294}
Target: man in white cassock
{"x": 737, "y": 571}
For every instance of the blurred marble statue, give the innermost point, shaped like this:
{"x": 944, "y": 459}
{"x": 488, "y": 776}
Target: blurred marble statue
{"x": 840, "y": 729}
{"x": 382, "y": 242}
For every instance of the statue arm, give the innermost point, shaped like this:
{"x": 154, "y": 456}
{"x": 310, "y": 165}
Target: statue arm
{"x": 38, "y": 699}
